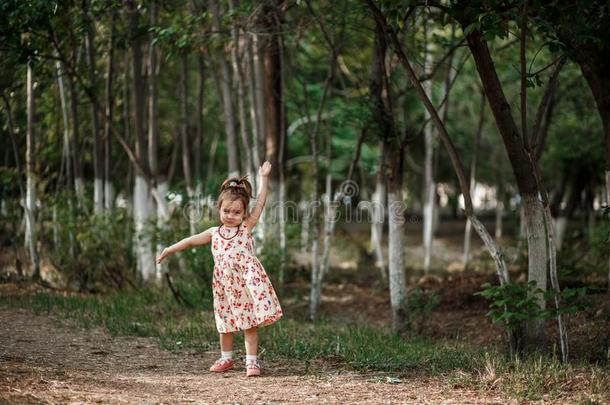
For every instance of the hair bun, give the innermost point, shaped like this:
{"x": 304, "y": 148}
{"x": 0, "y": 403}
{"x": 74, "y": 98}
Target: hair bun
{"x": 238, "y": 185}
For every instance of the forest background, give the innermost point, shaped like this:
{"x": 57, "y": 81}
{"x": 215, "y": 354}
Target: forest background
{"x": 395, "y": 129}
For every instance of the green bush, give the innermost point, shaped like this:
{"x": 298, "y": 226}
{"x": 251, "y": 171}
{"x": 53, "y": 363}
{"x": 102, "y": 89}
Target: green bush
{"x": 92, "y": 252}
{"x": 418, "y": 307}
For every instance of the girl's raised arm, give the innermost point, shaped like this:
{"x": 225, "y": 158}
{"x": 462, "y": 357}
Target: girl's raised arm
{"x": 195, "y": 240}
{"x": 256, "y": 212}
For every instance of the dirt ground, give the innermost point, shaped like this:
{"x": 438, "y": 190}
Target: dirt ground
{"x": 46, "y": 360}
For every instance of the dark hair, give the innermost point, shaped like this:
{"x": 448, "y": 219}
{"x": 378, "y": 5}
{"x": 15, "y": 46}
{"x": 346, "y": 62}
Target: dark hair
{"x": 235, "y": 188}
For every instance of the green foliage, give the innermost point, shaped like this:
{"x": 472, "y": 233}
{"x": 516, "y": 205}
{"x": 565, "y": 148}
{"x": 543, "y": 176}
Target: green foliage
{"x": 418, "y": 308}
{"x": 92, "y": 252}
{"x": 513, "y": 304}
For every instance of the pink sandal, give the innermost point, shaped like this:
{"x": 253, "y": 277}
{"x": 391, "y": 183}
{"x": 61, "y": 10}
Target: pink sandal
{"x": 222, "y": 365}
{"x": 252, "y": 369}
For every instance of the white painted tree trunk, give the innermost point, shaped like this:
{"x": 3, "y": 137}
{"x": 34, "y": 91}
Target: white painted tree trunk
{"x": 378, "y": 214}
{"x": 537, "y": 259}
{"x": 472, "y": 182}
{"x": 141, "y": 212}
{"x": 429, "y": 201}
{"x": 162, "y": 223}
{"x": 429, "y": 185}
{"x": 330, "y": 209}
{"x": 30, "y": 198}
{"x": 396, "y": 247}
{"x": 467, "y": 239}
{"x": 499, "y": 215}
{"x": 108, "y": 194}
{"x": 315, "y": 291}
{"x": 563, "y": 335}
{"x": 561, "y": 225}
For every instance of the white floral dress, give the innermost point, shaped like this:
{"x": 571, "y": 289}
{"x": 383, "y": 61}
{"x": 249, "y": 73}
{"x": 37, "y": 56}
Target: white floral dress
{"x": 243, "y": 295}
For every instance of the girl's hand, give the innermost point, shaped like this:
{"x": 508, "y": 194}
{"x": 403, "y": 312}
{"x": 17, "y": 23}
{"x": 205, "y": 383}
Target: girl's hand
{"x": 265, "y": 169}
{"x": 163, "y": 255}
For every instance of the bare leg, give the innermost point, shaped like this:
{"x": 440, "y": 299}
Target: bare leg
{"x": 251, "y": 338}
{"x": 226, "y": 342}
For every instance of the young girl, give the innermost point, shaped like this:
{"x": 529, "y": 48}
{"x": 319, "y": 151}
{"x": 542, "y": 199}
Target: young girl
{"x": 244, "y": 298}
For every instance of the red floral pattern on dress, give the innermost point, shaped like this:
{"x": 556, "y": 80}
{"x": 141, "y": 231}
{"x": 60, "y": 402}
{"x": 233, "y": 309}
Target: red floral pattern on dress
{"x": 243, "y": 295}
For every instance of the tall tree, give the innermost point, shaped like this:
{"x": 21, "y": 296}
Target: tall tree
{"x": 108, "y": 117}
{"x": 31, "y": 178}
{"x": 226, "y": 96}
{"x": 141, "y": 191}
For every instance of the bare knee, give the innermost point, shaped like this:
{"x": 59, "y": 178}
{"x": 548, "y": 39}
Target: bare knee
{"x": 250, "y": 333}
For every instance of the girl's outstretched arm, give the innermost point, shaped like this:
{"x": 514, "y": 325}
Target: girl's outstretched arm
{"x": 195, "y": 240}
{"x": 256, "y": 212}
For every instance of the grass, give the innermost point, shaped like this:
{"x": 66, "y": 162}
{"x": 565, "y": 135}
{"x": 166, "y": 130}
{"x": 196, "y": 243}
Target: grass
{"x": 359, "y": 347}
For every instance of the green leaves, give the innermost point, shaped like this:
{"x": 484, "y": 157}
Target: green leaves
{"x": 181, "y": 34}
{"x": 513, "y": 304}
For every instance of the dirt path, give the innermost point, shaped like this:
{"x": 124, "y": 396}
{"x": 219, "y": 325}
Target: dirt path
{"x": 45, "y": 360}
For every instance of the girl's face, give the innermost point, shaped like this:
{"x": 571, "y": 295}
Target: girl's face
{"x": 232, "y": 213}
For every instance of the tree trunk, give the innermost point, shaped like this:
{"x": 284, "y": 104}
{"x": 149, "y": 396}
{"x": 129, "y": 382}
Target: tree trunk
{"x": 195, "y": 11}
{"x": 537, "y": 259}
{"x": 273, "y": 94}
{"x": 473, "y": 172}
{"x": 563, "y": 335}
{"x": 199, "y": 132}
{"x": 429, "y": 184}
{"x": 259, "y": 93}
{"x": 79, "y": 184}
{"x": 141, "y": 199}
{"x": 64, "y": 114}
{"x": 29, "y": 218}
{"x": 254, "y": 102}
{"x": 378, "y": 215}
{"x": 227, "y": 99}
{"x": 162, "y": 223}
{"x": 98, "y": 172}
{"x": 108, "y": 185}
{"x": 392, "y": 172}
{"x": 499, "y": 210}
{"x": 241, "y": 94}
{"x": 152, "y": 98}
{"x": 30, "y": 171}
{"x": 316, "y": 278}
{"x": 184, "y": 136}
{"x": 396, "y": 240}
{"x": 565, "y": 214}
{"x": 525, "y": 169}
